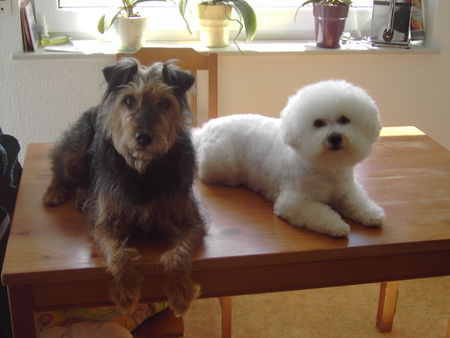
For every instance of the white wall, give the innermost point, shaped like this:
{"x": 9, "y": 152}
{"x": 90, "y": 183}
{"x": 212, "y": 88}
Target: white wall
{"x": 38, "y": 99}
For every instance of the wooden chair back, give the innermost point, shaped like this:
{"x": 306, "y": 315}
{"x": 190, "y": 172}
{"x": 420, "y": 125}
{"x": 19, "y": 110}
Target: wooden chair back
{"x": 189, "y": 60}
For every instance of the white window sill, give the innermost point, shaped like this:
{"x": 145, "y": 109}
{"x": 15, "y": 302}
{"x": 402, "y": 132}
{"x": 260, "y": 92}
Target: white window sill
{"x": 96, "y": 49}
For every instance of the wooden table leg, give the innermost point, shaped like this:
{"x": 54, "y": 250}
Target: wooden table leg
{"x": 225, "y": 304}
{"x": 22, "y": 315}
{"x": 387, "y": 303}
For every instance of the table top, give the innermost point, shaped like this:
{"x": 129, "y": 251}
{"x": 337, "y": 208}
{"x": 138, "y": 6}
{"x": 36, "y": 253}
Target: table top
{"x": 408, "y": 175}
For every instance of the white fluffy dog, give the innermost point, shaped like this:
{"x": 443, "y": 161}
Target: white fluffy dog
{"x": 303, "y": 161}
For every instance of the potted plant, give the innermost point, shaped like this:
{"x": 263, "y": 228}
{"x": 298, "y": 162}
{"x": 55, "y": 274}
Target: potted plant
{"x": 214, "y": 17}
{"x": 329, "y": 19}
{"x": 130, "y": 25}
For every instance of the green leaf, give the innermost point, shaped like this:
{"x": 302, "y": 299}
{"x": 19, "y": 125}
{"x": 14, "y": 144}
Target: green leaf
{"x": 139, "y": 1}
{"x": 101, "y": 24}
{"x": 247, "y": 14}
{"x": 310, "y": 1}
{"x": 182, "y": 4}
{"x": 128, "y": 7}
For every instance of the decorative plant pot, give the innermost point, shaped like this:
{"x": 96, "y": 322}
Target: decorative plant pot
{"x": 214, "y": 24}
{"x": 131, "y": 31}
{"x": 329, "y": 24}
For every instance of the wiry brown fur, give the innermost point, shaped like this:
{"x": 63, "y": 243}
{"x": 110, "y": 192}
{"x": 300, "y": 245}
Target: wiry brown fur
{"x": 125, "y": 184}
{"x": 121, "y": 123}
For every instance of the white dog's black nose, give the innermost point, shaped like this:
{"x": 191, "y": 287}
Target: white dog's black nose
{"x": 144, "y": 139}
{"x": 335, "y": 141}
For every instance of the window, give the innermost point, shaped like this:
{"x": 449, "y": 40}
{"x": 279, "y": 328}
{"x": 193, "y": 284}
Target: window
{"x": 79, "y": 19}
{"x": 261, "y": 3}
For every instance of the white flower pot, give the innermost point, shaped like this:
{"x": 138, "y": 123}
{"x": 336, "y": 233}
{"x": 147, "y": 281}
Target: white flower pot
{"x": 214, "y": 25}
{"x": 131, "y": 32}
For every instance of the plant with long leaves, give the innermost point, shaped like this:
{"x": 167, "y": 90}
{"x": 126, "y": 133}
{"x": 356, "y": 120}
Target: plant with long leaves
{"x": 127, "y": 8}
{"x": 247, "y": 16}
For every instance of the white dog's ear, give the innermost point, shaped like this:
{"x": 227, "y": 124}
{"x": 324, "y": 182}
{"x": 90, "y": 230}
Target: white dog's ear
{"x": 377, "y": 130}
{"x": 290, "y": 125}
{"x": 372, "y": 124}
{"x": 288, "y": 136}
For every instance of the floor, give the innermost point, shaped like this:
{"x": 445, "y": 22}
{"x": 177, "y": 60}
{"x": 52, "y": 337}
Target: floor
{"x": 423, "y": 310}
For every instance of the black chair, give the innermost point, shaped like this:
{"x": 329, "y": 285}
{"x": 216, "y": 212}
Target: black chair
{"x": 10, "y": 173}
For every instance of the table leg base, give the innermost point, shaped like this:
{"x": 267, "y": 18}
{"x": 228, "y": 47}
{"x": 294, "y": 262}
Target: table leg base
{"x": 387, "y": 303}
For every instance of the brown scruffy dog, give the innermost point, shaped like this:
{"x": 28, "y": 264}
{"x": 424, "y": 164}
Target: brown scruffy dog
{"x": 131, "y": 163}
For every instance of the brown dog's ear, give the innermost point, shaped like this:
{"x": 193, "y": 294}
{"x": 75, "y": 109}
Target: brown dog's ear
{"x": 120, "y": 74}
{"x": 178, "y": 79}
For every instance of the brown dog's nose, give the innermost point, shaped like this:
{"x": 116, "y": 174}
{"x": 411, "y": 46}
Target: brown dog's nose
{"x": 335, "y": 141}
{"x": 144, "y": 139}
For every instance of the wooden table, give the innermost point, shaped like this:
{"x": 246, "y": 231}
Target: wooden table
{"x": 51, "y": 263}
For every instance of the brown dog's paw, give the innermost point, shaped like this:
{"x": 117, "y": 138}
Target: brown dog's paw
{"x": 80, "y": 199}
{"x": 180, "y": 289}
{"x": 55, "y": 196}
{"x": 125, "y": 293}
{"x": 181, "y": 296}
{"x": 126, "y": 289}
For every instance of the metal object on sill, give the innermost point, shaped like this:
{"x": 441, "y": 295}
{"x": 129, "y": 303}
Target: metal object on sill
{"x": 394, "y": 23}
{"x": 388, "y": 33}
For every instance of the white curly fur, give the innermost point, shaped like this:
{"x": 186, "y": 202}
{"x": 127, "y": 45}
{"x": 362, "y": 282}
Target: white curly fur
{"x": 294, "y": 161}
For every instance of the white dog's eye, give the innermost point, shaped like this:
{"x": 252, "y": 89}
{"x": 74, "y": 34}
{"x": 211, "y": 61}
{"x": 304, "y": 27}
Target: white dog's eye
{"x": 319, "y": 123}
{"x": 343, "y": 120}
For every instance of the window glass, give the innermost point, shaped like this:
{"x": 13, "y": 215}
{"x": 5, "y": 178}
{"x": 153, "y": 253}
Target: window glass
{"x": 79, "y": 18}
{"x": 256, "y": 3}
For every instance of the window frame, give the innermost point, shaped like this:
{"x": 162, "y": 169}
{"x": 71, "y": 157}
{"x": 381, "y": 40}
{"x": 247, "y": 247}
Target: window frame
{"x": 274, "y": 23}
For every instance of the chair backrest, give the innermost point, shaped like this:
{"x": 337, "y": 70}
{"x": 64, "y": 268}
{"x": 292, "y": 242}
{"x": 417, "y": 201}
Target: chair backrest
{"x": 189, "y": 60}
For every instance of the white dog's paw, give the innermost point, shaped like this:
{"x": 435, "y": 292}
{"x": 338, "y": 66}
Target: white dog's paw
{"x": 336, "y": 229}
{"x": 374, "y": 217}
{"x": 312, "y": 215}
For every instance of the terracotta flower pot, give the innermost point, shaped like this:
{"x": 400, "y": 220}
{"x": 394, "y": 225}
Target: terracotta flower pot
{"x": 329, "y": 24}
{"x": 214, "y": 24}
{"x": 131, "y": 31}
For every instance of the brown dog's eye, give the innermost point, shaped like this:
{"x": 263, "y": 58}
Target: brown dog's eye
{"x": 343, "y": 120}
{"x": 319, "y": 123}
{"x": 163, "y": 104}
{"x": 129, "y": 101}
